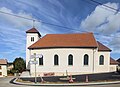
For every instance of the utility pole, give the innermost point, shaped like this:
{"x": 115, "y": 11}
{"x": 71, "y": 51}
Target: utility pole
{"x": 35, "y": 56}
{"x": 33, "y": 23}
{"x": 35, "y": 71}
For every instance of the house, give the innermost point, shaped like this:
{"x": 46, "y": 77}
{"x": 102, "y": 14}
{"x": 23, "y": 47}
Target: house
{"x": 10, "y": 66}
{"x": 3, "y": 67}
{"x": 67, "y": 53}
{"x": 113, "y": 65}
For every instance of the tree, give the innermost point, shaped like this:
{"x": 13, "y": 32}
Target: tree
{"x": 19, "y": 65}
{"x": 118, "y": 60}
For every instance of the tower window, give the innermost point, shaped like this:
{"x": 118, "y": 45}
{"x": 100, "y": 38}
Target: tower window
{"x": 32, "y": 39}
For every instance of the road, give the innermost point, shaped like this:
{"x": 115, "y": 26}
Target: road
{"x": 4, "y": 82}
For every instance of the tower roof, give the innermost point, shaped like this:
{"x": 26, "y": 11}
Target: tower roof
{"x": 33, "y": 30}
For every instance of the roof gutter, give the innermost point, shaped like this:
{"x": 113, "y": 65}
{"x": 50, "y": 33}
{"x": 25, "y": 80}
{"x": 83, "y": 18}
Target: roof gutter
{"x": 56, "y": 47}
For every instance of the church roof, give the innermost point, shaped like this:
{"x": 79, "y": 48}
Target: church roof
{"x": 113, "y": 62}
{"x": 82, "y": 40}
{"x": 33, "y": 30}
{"x": 3, "y": 61}
{"x": 102, "y": 47}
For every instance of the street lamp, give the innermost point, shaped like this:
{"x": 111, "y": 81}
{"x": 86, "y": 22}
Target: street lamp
{"x": 35, "y": 56}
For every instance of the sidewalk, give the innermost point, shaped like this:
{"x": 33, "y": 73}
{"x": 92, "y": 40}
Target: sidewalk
{"x": 66, "y": 84}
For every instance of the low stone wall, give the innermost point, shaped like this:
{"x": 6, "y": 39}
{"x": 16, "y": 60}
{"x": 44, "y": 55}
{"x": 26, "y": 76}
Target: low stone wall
{"x": 78, "y": 78}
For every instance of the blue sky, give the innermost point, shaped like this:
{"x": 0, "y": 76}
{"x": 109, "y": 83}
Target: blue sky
{"x": 81, "y": 15}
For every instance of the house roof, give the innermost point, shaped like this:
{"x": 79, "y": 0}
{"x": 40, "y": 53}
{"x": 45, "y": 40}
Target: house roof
{"x": 86, "y": 40}
{"x": 113, "y": 62}
{"x": 3, "y": 61}
{"x": 102, "y": 47}
{"x": 33, "y": 30}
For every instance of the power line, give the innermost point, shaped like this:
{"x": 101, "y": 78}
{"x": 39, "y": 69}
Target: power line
{"x": 117, "y": 10}
{"x": 34, "y": 20}
{"x": 68, "y": 28}
{"x": 16, "y": 15}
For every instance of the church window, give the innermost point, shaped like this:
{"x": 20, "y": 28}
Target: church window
{"x": 41, "y": 61}
{"x": 101, "y": 60}
{"x": 56, "y": 60}
{"x": 70, "y": 59}
{"x": 86, "y": 59}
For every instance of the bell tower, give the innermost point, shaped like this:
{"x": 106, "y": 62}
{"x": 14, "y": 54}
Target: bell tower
{"x": 33, "y": 35}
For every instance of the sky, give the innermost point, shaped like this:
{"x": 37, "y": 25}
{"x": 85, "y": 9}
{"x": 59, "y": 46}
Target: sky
{"x": 80, "y": 15}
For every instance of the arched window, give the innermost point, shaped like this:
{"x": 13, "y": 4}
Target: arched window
{"x": 86, "y": 59}
{"x": 70, "y": 59}
{"x": 41, "y": 61}
{"x": 101, "y": 60}
{"x": 56, "y": 60}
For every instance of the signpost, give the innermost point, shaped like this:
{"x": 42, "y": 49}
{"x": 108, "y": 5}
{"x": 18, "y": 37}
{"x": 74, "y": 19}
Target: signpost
{"x": 35, "y": 62}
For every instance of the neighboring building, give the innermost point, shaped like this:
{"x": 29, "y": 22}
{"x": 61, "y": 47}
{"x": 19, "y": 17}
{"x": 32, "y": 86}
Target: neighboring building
{"x": 3, "y": 67}
{"x": 113, "y": 65}
{"x": 72, "y": 53}
{"x": 10, "y": 66}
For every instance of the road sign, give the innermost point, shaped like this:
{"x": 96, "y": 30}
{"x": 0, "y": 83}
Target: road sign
{"x": 34, "y": 62}
{"x": 32, "y": 56}
{"x": 39, "y": 55}
{"x": 36, "y": 56}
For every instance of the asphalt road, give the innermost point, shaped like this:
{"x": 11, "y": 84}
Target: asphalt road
{"x": 4, "y": 82}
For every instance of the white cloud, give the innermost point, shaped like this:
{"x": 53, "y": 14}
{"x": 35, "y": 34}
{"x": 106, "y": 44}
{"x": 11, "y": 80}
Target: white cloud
{"x": 15, "y": 21}
{"x": 106, "y": 22}
{"x": 103, "y": 19}
{"x": 13, "y": 32}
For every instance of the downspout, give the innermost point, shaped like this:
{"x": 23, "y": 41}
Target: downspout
{"x": 93, "y": 60}
{"x": 30, "y": 60}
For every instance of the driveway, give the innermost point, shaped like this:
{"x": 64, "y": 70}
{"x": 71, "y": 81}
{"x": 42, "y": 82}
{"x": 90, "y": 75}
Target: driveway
{"x": 4, "y": 82}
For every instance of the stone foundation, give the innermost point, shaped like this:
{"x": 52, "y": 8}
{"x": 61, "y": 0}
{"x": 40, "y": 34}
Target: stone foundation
{"x": 45, "y": 74}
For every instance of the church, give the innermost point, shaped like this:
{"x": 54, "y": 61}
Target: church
{"x": 77, "y": 53}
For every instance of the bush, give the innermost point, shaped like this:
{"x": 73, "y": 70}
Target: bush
{"x": 11, "y": 72}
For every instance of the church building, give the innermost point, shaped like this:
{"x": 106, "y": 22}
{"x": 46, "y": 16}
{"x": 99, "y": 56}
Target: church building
{"x": 77, "y": 53}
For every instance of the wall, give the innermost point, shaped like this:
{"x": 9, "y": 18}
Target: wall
{"x": 78, "y": 66}
{"x": 3, "y": 70}
{"x": 113, "y": 68}
{"x": 105, "y": 67}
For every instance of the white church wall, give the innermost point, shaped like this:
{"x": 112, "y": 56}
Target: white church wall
{"x": 102, "y": 68}
{"x": 77, "y": 68}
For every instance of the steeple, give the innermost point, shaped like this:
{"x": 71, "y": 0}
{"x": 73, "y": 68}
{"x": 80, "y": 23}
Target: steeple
{"x": 33, "y": 36}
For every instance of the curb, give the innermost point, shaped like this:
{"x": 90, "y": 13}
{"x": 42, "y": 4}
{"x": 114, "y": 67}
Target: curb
{"x": 13, "y": 81}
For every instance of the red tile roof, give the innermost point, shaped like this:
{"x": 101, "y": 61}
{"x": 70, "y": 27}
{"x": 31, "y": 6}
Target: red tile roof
{"x": 3, "y": 61}
{"x": 33, "y": 30}
{"x": 102, "y": 47}
{"x": 65, "y": 40}
{"x": 113, "y": 62}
